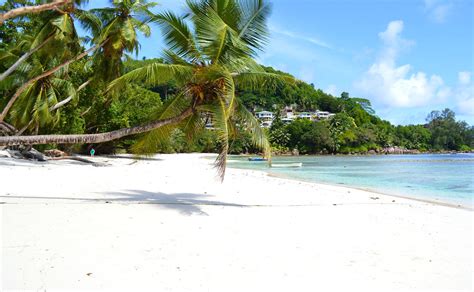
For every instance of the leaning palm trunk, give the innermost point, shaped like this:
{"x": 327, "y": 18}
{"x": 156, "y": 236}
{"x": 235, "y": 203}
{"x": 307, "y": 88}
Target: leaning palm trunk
{"x": 45, "y": 74}
{"x": 93, "y": 138}
{"x": 31, "y": 9}
{"x": 23, "y": 58}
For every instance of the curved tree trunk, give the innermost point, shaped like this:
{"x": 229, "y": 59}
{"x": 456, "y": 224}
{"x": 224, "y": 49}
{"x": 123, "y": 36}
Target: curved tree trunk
{"x": 45, "y": 74}
{"x": 92, "y": 138}
{"x": 65, "y": 101}
{"x": 54, "y": 107}
{"x": 23, "y": 58}
{"x": 31, "y": 9}
{"x": 7, "y": 129}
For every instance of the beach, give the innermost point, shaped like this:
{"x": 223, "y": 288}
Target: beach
{"x": 167, "y": 223}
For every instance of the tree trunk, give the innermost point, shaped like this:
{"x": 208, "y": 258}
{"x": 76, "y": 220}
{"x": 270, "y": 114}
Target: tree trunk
{"x": 55, "y": 107}
{"x": 7, "y": 128}
{"x": 92, "y": 138}
{"x": 31, "y": 9}
{"x": 45, "y": 74}
{"x": 65, "y": 101}
{"x": 23, "y": 58}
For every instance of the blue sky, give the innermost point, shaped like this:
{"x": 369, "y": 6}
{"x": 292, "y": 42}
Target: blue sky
{"x": 407, "y": 56}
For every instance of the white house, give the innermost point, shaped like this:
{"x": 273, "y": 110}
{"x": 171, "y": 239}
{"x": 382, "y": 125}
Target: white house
{"x": 305, "y": 115}
{"x": 323, "y": 115}
{"x": 264, "y": 116}
{"x": 287, "y": 120}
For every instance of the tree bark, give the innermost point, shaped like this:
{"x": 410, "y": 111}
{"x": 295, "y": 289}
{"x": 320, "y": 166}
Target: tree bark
{"x": 7, "y": 127}
{"x": 23, "y": 58}
{"x": 55, "y": 107}
{"x": 31, "y": 9}
{"x": 45, "y": 74}
{"x": 92, "y": 138}
{"x": 65, "y": 101}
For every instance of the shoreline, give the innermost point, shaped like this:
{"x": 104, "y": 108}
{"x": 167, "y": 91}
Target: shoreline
{"x": 445, "y": 204}
{"x": 466, "y": 205}
{"x": 400, "y": 196}
{"x": 167, "y": 223}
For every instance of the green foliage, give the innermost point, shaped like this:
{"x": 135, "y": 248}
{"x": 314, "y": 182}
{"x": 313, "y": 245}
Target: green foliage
{"x": 208, "y": 66}
{"x": 447, "y": 133}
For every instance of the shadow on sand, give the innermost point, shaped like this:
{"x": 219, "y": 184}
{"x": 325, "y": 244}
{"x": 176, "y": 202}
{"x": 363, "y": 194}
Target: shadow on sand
{"x": 185, "y": 203}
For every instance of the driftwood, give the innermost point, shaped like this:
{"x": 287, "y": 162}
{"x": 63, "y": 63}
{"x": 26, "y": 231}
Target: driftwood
{"x": 80, "y": 159}
{"x": 29, "y": 153}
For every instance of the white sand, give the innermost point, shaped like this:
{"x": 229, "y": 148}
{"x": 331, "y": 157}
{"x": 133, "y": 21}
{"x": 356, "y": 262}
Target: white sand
{"x": 168, "y": 225}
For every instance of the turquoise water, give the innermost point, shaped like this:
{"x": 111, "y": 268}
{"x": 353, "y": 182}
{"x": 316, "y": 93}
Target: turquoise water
{"x": 446, "y": 178}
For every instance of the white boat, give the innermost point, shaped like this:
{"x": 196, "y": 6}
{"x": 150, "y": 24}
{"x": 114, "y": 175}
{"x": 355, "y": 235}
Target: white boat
{"x": 297, "y": 164}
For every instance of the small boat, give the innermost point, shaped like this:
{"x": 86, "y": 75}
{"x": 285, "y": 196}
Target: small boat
{"x": 297, "y": 164}
{"x": 257, "y": 159}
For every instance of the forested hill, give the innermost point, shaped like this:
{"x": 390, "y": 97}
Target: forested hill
{"x": 355, "y": 129}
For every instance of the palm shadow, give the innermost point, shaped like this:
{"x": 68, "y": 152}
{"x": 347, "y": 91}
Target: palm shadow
{"x": 184, "y": 203}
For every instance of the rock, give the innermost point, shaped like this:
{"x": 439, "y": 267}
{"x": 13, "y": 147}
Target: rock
{"x": 33, "y": 154}
{"x": 55, "y": 153}
{"x": 399, "y": 150}
{"x": 372, "y": 152}
{"x": 295, "y": 152}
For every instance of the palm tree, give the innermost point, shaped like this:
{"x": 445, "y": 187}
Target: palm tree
{"x": 118, "y": 34}
{"x": 210, "y": 53}
{"x": 122, "y": 22}
{"x": 57, "y": 33}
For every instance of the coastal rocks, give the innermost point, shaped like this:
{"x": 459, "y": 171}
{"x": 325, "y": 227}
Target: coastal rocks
{"x": 55, "y": 153}
{"x": 295, "y": 152}
{"x": 31, "y": 154}
{"x": 399, "y": 150}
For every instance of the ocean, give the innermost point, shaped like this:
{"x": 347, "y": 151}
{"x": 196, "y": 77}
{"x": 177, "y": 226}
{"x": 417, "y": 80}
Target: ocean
{"x": 446, "y": 178}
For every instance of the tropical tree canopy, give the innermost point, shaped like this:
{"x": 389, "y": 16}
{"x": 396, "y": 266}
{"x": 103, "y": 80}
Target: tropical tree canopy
{"x": 74, "y": 92}
{"x": 209, "y": 53}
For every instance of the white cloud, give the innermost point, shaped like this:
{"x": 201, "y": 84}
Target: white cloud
{"x": 464, "y": 77}
{"x": 391, "y": 86}
{"x": 438, "y": 10}
{"x": 464, "y": 94}
{"x": 398, "y": 86}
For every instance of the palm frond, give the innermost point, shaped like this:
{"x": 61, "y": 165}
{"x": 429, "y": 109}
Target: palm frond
{"x": 256, "y": 80}
{"x": 220, "y": 121}
{"x": 178, "y": 36}
{"x": 89, "y": 21}
{"x": 218, "y": 41}
{"x": 249, "y": 123}
{"x": 254, "y": 30}
{"x": 153, "y": 74}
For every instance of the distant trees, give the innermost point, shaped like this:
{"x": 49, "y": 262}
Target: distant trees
{"x": 49, "y": 84}
{"x": 346, "y": 133}
{"x": 447, "y": 133}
